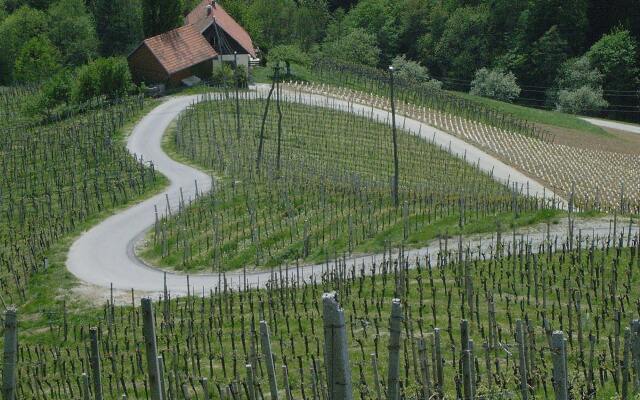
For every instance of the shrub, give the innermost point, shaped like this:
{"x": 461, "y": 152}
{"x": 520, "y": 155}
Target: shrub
{"x": 223, "y": 75}
{"x": 496, "y": 84}
{"x": 109, "y": 77}
{"x": 288, "y": 54}
{"x": 356, "y": 47}
{"x": 582, "y": 100}
{"x": 409, "y": 71}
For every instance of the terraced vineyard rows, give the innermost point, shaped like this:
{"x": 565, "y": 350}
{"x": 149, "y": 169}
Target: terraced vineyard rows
{"x": 331, "y": 196}
{"x": 598, "y": 179}
{"x": 465, "y": 322}
{"x": 57, "y": 176}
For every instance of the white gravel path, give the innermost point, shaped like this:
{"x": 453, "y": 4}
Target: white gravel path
{"x": 614, "y": 125}
{"x": 104, "y": 255}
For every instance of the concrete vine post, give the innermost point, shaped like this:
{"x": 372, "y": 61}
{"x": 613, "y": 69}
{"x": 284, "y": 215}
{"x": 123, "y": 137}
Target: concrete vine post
{"x": 395, "y": 330}
{"x": 520, "y": 338}
{"x": 268, "y": 358}
{"x": 558, "y": 353}
{"x": 336, "y": 350}
{"x": 95, "y": 363}
{"x": 10, "y": 354}
{"x": 149, "y": 331}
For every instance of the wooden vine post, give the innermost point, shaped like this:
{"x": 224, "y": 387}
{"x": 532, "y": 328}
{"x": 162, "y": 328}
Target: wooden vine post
{"x": 336, "y": 350}
{"x": 10, "y": 354}
{"x": 395, "y": 330}
{"x": 149, "y": 331}
{"x": 268, "y": 358}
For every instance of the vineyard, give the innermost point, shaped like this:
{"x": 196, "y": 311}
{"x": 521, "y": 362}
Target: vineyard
{"x": 298, "y": 181}
{"x": 465, "y": 325}
{"x": 604, "y": 180}
{"x": 331, "y": 194}
{"x": 56, "y": 177}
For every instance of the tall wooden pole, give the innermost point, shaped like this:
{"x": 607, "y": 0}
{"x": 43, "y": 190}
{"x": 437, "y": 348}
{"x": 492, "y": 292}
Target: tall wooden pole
{"x": 236, "y": 82}
{"x": 396, "y": 172}
{"x": 279, "y": 118}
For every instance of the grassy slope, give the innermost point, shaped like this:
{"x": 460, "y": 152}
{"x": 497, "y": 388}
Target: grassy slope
{"x": 553, "y": 118}
{"x": 536, "y": 115}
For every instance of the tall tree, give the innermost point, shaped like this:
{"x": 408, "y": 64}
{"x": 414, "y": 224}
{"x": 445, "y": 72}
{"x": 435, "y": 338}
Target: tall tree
{"x": 37, "y": 60}
{"x": 160, "y": 16}
{"x": 119, "y": 25}
{"x": 15, "y": 31}
{"x": 72, "y": 31}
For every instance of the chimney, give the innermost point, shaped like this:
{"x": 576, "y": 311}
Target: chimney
{"x": 209, "y": 10}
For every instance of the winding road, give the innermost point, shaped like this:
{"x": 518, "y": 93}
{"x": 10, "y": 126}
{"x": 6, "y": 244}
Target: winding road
{"x": 104, "y": 255}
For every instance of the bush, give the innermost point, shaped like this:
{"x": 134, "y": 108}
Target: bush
{"x": 223, "y": 76}
{"x": 582, "y": 100}
{"x": 288, "y": 54}
{"x": 108, "y": 77}
{"x": 496, "y": 84}
{"x": 409, "y": 71}
{"x": 356, "y": 47}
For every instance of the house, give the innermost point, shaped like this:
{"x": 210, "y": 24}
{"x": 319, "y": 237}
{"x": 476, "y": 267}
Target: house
{"x": 172, "y": 56}
{"x": 209, "y": 37}
{"x": 223, "y": 33}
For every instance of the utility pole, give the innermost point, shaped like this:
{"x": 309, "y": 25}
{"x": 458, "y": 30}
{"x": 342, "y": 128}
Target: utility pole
{"x": 236, "y": 79}
{"x": 279, "y": 117}
{"x": 396, "y": 173}
{"x": 264, "y": 120}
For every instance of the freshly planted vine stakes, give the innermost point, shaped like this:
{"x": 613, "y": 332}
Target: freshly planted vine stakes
{"x": 600, "y": 180}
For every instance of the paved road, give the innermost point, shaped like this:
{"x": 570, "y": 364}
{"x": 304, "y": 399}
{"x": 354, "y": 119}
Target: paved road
{"x": 614, "y": 125}
{"x": 104, "y": 255}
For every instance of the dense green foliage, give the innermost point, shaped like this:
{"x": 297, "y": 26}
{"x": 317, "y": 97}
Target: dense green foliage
{"x": 159, "y": 16}
{"x": 454, "y": 39}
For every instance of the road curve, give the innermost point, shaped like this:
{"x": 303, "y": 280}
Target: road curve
{"x": 614, "y": 125}
{"x": 104, "y": 255}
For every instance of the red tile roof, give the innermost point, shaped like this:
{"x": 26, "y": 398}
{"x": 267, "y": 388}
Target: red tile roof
{"x": 180, "y": 48}
{"x": 199, "y": 18}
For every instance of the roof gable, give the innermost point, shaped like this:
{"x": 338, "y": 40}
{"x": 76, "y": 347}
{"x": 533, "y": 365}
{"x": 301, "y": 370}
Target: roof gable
{"x": 201, "y": 19}
{"x": 180, "y": 48}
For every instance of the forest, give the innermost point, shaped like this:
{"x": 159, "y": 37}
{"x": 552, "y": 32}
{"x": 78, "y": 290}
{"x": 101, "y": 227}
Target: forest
{"x": 583, "y": 53}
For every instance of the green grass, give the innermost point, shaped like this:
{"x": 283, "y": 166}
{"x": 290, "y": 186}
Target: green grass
{"x": 553, "y": 118}
{"x": 535, "y": 115}
{"x": 335, "y": 176}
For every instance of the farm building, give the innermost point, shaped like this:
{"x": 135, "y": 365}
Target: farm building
{"x": 224, "y": 34}
{"x": 210, "y": 36}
